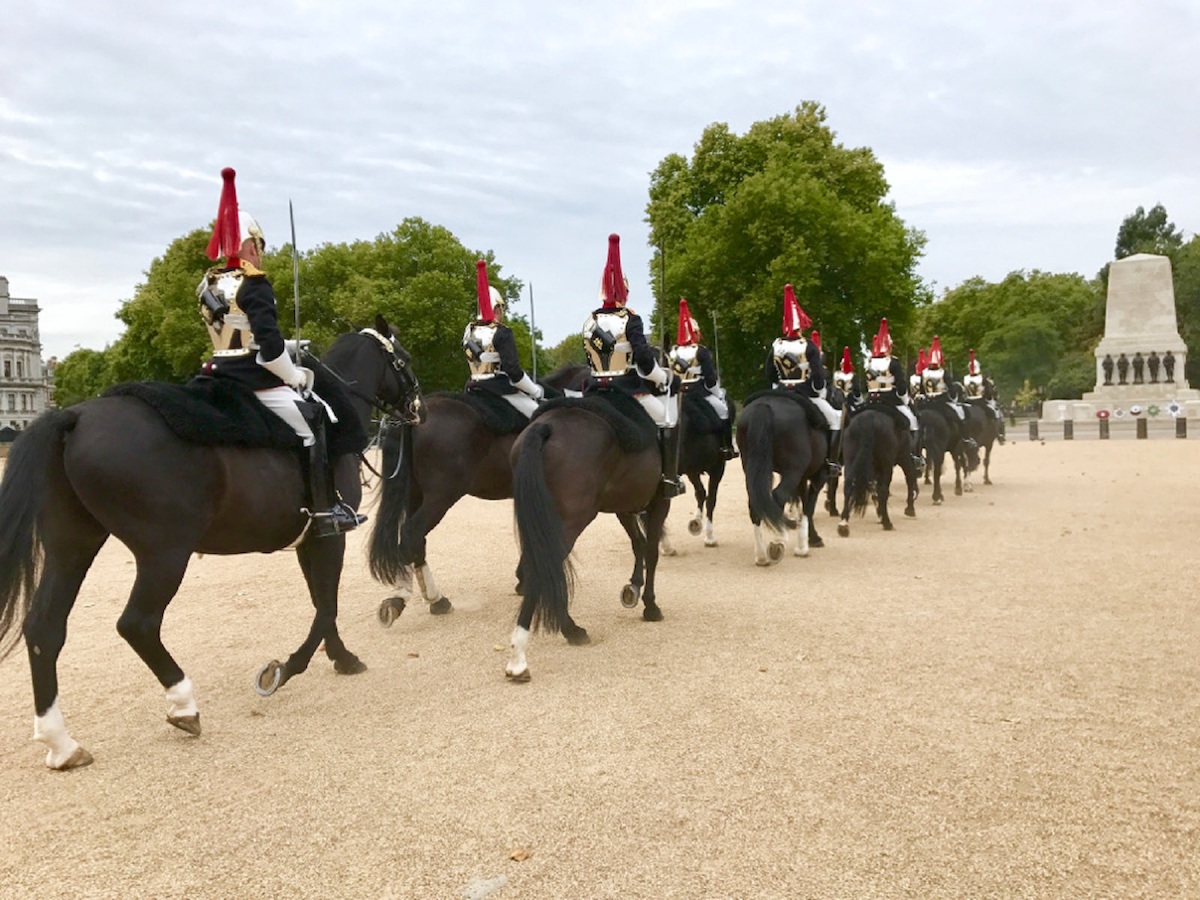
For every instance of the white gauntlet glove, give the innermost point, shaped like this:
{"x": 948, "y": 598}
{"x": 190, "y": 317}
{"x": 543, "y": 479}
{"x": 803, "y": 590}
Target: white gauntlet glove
{"x": 528, "y": 386}
{"x": 282, "y": 367}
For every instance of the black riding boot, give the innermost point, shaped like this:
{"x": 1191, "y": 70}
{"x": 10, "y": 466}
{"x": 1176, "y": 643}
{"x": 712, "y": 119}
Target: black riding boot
{"x": 1000, "y": 435}
{"x": 914, "y": 449}
{"x": 668, "y": 441}
{"x": 335, "y": 517}
{"x": 727, "y": 449}
{"x": 835, "y": 451}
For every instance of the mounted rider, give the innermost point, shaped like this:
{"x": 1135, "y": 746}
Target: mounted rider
{"x": 915, "y": 385}
{"x": 237, "y": 304}
{"x": 936, "y": 383}
{"x": 491, "y": 351}
{"x": 693, "y": 363}
{"x": 794, "y": 363}
{"x": 886, "y": 384}
{"x": 981, "y": 390}
{"x": 622, "y": 359}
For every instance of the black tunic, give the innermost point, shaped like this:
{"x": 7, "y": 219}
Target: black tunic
{"x": 813, "y": 385}
{"x": 256, "y": 298}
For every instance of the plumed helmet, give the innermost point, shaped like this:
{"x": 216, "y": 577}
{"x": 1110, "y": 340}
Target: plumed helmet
{"x": 847, "y": 362}
{"x": 794, "y": 318}
{"x": 973, "y": 365}
{"x": 614, "y": 286}
{"x": 936, "y": 359}
{"x": 815, "y": 337}
{"x": 499, "y": 304}
{"x": 233, "y": 227}
{"x": 689, "y": 329}
{"x": 922, "y": 363}
{"x": 484, "y": 292}
{"x": 882, "y": 344}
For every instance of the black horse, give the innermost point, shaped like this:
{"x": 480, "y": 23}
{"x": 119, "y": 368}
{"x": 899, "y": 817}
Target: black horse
{"x": 983, "y": 427}
{"x": 461, "y": 448}
{"x": 939, "y": 437}
{"x": 780, "y": 432}
{"x": 874, "y": 442}
{"x": 700, "y": 456}
{"x": 579, "y": 458}
{"x": 112, "y": 466}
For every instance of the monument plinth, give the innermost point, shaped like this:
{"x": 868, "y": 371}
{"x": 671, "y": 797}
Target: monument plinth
{"x": 1140, "y": 359}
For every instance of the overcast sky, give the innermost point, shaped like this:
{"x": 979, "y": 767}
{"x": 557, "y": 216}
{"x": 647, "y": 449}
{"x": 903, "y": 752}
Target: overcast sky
{"x": 1016, "y": 135}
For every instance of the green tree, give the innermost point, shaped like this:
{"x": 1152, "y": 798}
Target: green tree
{"x": 1034, "y": 327}
{"x": 1186, "y": 271}
{"x": 81, "y": 375}
{"x": 784, "y": 203}
{"x": 1148, "y": 232}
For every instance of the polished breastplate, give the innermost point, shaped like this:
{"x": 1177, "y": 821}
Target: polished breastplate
{"x": 934, "y": 382}
{"x": 791, "y": 360}
{"x": 879, "y": 375}
{"x": 973, "y": 386}
{"x": 609, "y": 352}
{"x": 228, "y": 327}
{"x": 479, "y": 345}
{"x": 685, "y": 363}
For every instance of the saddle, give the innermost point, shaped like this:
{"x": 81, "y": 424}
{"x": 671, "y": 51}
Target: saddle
{"x": 892, "y": 412}
{"x": 221, "y": 412}
{"x": 701, "y": 417}
{"x": 634, "y": 428}
{"x": 815, "y": 418}
{"x": 499, "y": 416}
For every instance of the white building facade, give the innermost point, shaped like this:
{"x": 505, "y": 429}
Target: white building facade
{"x": 25, "y": 382}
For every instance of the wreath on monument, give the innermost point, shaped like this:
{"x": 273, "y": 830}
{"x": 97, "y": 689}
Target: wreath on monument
{"x": 1119, "y": 413}
{"x": 1102, "y": 414}
{"x": 1153, "y": 410}
{"x": 1135, "y": 410}
{"x": 1174, "y": 408}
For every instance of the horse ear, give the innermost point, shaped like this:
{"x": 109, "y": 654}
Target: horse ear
{"x": 382, "y": 326}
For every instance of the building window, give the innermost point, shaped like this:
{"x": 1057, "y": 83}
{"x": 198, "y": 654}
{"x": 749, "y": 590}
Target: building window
{"x": 24, "y": 403}
{"x": 7, "y": 369}
{"x": 12, "y": 402}
{"x": 19, "y": 367}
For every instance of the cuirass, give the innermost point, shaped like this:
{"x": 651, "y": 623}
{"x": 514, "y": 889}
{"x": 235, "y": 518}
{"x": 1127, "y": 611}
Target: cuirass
{"x": 227, "y": 325}
{"x": 609, "y": 351}
{"x": 479, "y": 342}
{"x": 879, "y": 375}
{"x": 791, "y": 360}
{"x": 973, "y": 385}
{"x": 685, "y": 363}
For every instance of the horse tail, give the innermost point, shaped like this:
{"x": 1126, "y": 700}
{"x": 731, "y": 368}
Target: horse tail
{"x": 22, "y": 495}
{"x": 757, "y": 458}
{"x": 860, "y": 467}
{"x": 389, "y": 557}
{"x": 547, "y": 575}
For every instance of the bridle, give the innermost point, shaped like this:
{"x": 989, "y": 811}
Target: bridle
{"x": 409, "y": 388}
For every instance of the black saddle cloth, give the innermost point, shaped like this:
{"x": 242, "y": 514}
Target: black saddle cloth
{"x": 892, "y": 412}
{"x": 701, "y": 417}
{"x": 498, "y": 415}
{"x": 635, "y": 429}
{"x": 221, "y": 412}
{"x": 816, "y": 418}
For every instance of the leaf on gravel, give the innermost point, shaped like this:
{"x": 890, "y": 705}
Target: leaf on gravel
{"x": 520, "y": 854}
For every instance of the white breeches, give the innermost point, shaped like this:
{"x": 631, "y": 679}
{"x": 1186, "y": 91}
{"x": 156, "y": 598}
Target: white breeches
{"x": 663, "y": 410}
{"x": 282, "y": 401}
{"x": 912, "y": 419}
{"x": 717, "y": 401}
{"x": 832, "y": 416}
{"x": 524, "y": 404}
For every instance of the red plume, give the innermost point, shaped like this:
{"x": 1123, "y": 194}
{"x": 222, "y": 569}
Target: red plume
{"x": 936, "y": 359}
{"x": 794, "y": 318}
{"x": 612, "y": 284}
{"x": 815, "y": 337}
{"x": 687, "y": 333}
{"x": 847, "y": 363}
{"x": 226, "y": 236}
{"x": 921, "y": 363}
{"x": 883, "y": 340}
{"x": 973, "y": 366}
{"x": 486, "y": 313}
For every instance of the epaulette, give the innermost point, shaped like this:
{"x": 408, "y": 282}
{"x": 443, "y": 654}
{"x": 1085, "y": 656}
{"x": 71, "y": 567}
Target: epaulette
{"x": 251, "y": 270}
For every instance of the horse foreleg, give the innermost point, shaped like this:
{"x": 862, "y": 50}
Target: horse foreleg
{"x": 656, "y": 515}
{"x": 987, "y": 461}
{"x": 766, "y": 552}
{"x": 321, "y": 562}
{"x": 639, "y": 541}
{"x": 710, "y": 506}
{"x": 45, "y": 632}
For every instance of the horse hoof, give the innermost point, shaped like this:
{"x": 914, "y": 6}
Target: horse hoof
{"x": 815, "y": 542}
{"x": 843, "y": 530}
{"x": 668, "y": 551}
{"x": 269, "y": 678}
{"x": 190, "y": 724}
{"x": 888, "y": 526}
{"x": 441, "y": 606}
{"x": 389, "y": 611}
{"x": 518, "y": 677}
{"x": 958, "y": 492}
{"x": 800, "y": 552}
{"x": 710, "y": 542}
{"x": 652, "y": 614}
{"x": 76, "y": 760}
{"x": 351, "y": 666}
{"x": 519, "y": 590}
{"x": 910, "y": 512}
{"x": 576, "y": 636}
{"x": 695, "y": 526}
{"x": 774, "y": 551}
{"x": 630, "y": 596}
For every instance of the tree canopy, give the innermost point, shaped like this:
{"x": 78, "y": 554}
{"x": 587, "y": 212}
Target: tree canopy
{"x": 1147, "y": 232}
{"x": 419, "y": 276}
{"x": 784, "y": 203}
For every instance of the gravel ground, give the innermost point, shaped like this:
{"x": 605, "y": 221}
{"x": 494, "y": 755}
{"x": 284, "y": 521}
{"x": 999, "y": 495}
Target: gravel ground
{"x": 998, "y": 699}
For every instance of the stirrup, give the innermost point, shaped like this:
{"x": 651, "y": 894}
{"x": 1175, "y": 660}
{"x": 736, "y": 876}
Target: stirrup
{"x": 671, "y": 488}
{"x": 336, "y": 521}
{"x": 835, "y": 468}
{"x": 730, "y": 452}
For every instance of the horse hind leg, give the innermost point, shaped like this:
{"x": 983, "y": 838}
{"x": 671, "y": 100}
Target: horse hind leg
{"x": 45, "y": 632}
{"x": 159, "y": 574}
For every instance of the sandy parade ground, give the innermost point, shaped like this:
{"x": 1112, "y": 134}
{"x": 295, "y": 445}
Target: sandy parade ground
{"x": 998, "y": 699}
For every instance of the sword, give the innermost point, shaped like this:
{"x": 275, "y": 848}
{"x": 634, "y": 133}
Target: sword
{"x": 532, "y": 331}
{"x": 295, "y": 281}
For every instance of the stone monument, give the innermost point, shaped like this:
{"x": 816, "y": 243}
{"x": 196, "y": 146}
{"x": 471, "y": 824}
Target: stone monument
{"x": 1140, "y": 332}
